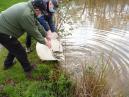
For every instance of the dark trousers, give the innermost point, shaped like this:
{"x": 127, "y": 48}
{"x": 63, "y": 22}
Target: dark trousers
{"x": 28, "y": 41}
{"x": 15, "y": 50}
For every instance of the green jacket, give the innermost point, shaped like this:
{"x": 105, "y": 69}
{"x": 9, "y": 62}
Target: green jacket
{"x": 20, "y": 18}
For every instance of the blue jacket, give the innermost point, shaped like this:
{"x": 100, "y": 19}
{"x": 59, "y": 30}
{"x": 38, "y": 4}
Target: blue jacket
{"x": 47, "y": 22}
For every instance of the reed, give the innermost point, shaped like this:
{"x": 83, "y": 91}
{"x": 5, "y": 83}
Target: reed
{"x": 94, "y": 81}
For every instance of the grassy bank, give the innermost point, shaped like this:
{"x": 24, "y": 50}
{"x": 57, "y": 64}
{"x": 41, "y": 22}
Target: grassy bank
{"x": 5, "y": 4}
{"x": 49, "y": 79}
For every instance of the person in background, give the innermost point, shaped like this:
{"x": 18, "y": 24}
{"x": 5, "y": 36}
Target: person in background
{"x": 46, "y": 20}
{"x": 16, "y": 20}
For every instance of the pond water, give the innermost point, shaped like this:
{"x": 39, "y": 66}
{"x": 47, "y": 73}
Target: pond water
{"x": 99, "y": 31}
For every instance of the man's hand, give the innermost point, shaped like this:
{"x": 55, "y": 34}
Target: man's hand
{"x": 48, "y": 43}
{"x": 49, "y": 35}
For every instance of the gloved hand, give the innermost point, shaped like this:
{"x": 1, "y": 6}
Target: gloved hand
{"x": 49, "y": 35}
{"x": 48, "y": 42}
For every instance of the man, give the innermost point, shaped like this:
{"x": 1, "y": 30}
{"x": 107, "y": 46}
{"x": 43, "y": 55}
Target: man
{"x": 46, "y": 20}
{"x": 16, "y": 20}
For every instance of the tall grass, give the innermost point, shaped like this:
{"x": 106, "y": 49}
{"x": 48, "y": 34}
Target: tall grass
{"x": 95, "y": 81}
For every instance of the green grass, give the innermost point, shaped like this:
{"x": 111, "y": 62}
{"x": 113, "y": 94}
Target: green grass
{"x": 48, "y": 79}
{"x": 4, "y": 4}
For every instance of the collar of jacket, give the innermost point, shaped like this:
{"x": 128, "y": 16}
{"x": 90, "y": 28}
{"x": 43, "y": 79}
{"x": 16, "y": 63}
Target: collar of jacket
{"x": 31, "y": 6}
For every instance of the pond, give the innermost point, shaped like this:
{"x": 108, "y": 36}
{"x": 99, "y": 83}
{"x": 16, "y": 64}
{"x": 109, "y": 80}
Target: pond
{"x": 99, "y": 31}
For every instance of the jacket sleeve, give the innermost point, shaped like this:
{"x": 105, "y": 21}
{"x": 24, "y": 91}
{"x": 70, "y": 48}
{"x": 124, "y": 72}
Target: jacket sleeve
{"x": 33, "y": 28}
{"x": 51, "y": 22}
{"x": 41, "y": 29}
{"x": 44, "y": 23}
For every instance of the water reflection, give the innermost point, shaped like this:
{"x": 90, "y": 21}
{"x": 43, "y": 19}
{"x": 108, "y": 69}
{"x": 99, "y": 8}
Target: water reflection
{"x": 101, "y": 27}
